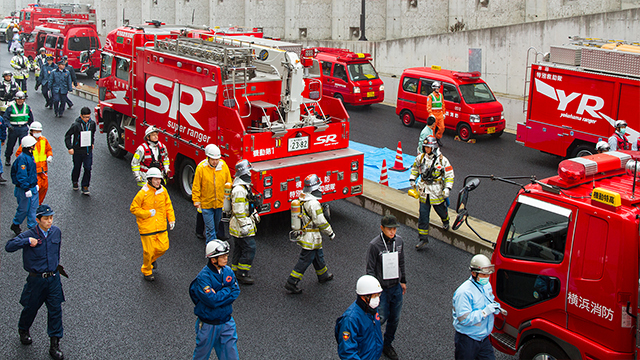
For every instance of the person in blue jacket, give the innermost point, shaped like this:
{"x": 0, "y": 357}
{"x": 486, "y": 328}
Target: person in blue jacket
{"x": 45, "y": 81}
{"x": 40, "y": 247}
{"x": 24, "y": 176}
{"x": 358, "y": 330}
{"x": 213, "y": 292}
{"x": 60, "y": 84}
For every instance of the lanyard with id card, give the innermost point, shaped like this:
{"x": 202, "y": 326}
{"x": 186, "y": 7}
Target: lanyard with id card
{"x": 390, "y": 263}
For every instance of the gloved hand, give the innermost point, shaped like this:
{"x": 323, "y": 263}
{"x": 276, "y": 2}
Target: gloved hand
{"x": 28, "y": 194}
{"x": 172, "y": 224}
{"x": 490, "y": 309}
{"x": 153, "y": 212}
{"x": 49, "y": 159}
{"x": 332, "y": 236}
{"x": 37, "y": 187}
{"x": 445, "y": 192}
{"x": 498, "y": 308}
{"x": 412, "y": 183}
{"x": 256, "y": 217}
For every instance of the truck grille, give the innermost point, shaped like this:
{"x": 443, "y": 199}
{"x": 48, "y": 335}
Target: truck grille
{"x": 505, "y": 339}
{"x": 488, "y": 119}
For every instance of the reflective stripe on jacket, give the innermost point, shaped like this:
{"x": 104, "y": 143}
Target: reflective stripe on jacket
{"x": 19, "y": 116}
{"x": 144, "y": 157}
{"x": 313, "y": 222}
{"x": 436, "y": 102}
{"x": 442, "y": 173}
{"x": 41, "y": 152}
{"x": 241, "y": 223}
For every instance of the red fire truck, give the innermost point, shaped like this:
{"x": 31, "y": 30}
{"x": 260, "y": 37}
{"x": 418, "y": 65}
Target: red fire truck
{"x": 255, "y": 102}
{"x": 566, "y": 262}
{"x": 575, "y": 97}
{"x": 34, "y": 14}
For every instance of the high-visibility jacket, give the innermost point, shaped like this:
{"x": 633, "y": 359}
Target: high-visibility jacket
{"x": 437, "y": 102}
{"x": 144, "y": 158}
{"x": 41, "y": 152}
{"x": 19, "y": 116}
{"x": 313, "y": 222}
{"x": 149, "y": 198}
{"x": 21, "y": 66}
{"x": 432, "y": 185}
{"x": 241, "y": 223}
{"x": 208, "y": 184}
{"x": 619, "y": 142}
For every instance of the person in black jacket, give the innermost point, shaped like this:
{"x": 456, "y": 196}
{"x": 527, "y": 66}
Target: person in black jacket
{"x": 80, "y": 139}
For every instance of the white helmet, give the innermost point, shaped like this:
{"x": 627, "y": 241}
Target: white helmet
{"x": 212, "y": 151}
{"x": 28, "y": 141}
{"x": 481, "y": 264}
{"x": 150, "y": 129}
{"x": 35, "y": 126}
{"x": 436, "y": 85}
{"x": 368, "y": 285}
{"x": 154, "y": 172}
{"x": 620, "y": 123}
{"x": 216, "y": 248}
{"x": 602, "y": 146}
{"x": 20, "y": 95}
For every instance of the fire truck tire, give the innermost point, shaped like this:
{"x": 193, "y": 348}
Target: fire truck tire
{"x": 582, "y": 150}
{"x": 113, "y": 141}
{"x": 464, "y": 131}
{"x": 339, "y": 97}
{"x": 407, "y": 118}
{"x": 185, "y": 181}
{"x": 541, "y": 349}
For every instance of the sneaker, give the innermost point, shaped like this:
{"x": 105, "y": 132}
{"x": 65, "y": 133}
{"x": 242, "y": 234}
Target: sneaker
{"x": 326, "y": 278}
{"x": 292, "y": 288}
{"x": 422, "y": 243}
{"x": 75, "y": 187}
{"x": 390, "y": 352}
{"x": 244, "y": 278}
{"x": 149, "y": 277}
{"x": 25, "y": 338}
{"x": 445, "y": 226}
{"x": 85, "y": 190}
{"x": 2, "y": 180}
{"x": 16, "y": 229}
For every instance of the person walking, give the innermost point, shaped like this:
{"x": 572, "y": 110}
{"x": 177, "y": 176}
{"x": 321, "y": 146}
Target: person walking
{"x": 436, "y": 107}
{"x": 208, "y": 189}
{"x": 385, "y": 261}
{"x": 79, "y": 140}
{"x": 153, "y": 209}
{"x": 9, "y": 36}
{"x": 16, "y": 119}
{"x": 213, "y": 292}
{"x": 8, "y": 89}
{"x": 40, "y": 247}
{"x": 310, "y": 238}
{"x": 432, "y": 176}
{"x": 242, "y": 226}
{"x": 25, "y": 178}
{"x": 45, "y": 81}
{"x": 473, "y": 312}
{"x": 43, "y": 156}
{"x": 38, "y": 64}
{"x": 357, "y": 331}
{"x": 74, "y": 78}
{"x": 151, "y": 153}
{"x": 60, "y": 85}
{"x": 21, "y": 67}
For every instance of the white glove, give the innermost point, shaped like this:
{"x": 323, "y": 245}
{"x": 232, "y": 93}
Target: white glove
{"x": 37, "y": 187}
{"x": 256, "y": 217}
{"x": 28, "y": 194}
{"x": 332, "y": 236}
{"x": 412, "y": 183}
{"x": 137, "y": 176}
{"x": 49, "y": 159}
{"x": 153, "y": 212}
{"x": 445, "y": 193}
{"x": 172, "y": 224}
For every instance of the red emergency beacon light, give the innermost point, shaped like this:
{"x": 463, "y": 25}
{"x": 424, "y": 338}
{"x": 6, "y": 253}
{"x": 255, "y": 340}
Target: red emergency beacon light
{"x": 582, "y": 168}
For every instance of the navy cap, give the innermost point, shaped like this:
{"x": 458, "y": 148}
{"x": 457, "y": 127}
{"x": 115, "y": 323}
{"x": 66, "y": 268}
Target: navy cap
{"x": 389, "y": 221}
{"x": 65, "y": 57}
{"x": 60, "y": 62}
{"x": 44, "y": 210}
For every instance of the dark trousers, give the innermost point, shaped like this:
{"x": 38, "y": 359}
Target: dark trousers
{"x": 38, "y": 291}
{"x": 199, "y": 223}
{"x": 244, "y": 251}
{"x": 423, "y": 220}
{"x": 59, "y": 102}
{"x": 308, "y": 257}
{"x": 15, "y": 135}
{"x": 389, "y": 310}
{"x": 82, "y": 161}
{"x": 46, "y": 93}
{"x": 69, "y": 102}
{"x": 22, "y": 83}
{"x": 469, "y": 349}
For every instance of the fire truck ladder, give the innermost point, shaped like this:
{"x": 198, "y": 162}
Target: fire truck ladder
{"x": 527, "y": 74}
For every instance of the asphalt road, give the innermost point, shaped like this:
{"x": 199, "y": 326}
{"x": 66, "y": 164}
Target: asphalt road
{"x": 111, "y": 312}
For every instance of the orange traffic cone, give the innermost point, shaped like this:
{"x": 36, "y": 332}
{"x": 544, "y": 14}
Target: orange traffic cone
{"x": 398, "y": 166}
{"x": 383, "y": 173}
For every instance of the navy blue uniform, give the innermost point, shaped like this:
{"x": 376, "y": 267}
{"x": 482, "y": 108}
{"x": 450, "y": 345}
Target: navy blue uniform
{"x": 358, "y": 333}
{"x": 24, "y": 176}
{"x": 43, "y": 283}
{"x": 60, "y": 84}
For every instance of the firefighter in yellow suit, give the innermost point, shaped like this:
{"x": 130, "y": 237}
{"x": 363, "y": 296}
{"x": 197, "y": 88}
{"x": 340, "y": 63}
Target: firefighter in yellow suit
{"x": 152, "y": 208}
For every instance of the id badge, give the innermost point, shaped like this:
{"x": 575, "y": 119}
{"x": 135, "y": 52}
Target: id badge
{"x": 85, "y": 138}
{"x": 390, "y": 266}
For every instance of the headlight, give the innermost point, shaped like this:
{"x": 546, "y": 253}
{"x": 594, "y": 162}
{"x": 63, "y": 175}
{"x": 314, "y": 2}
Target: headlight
{"x": 356, "y": 90}
{"x": 474, "y": 118}
{"x": 502, "y": 115}
{"x": 381, "y": 87}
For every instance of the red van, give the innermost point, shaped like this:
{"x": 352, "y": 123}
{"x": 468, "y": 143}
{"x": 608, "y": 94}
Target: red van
{"x": 471, "y": 108}
{"x": 348, "y": 76}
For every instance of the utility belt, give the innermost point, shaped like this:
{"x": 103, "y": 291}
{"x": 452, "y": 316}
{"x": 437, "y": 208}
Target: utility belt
{"x": 18, "y": 125}
{"x": 430, "y": 179}
{"x": 44, "y": 274}
{"x": 214, "y": 322}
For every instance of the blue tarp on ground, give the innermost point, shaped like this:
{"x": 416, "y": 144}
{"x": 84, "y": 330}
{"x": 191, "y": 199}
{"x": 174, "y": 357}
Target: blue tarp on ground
{"x": 373, "y": 157}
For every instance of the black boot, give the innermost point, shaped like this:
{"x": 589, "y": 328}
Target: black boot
{"x": 25, "y": 338}
{"x": 54, "y": 349}
{"x": 323, "y": 280}
{"x": 292, "y": 287}
{"x": 244, "y": 278}
{"x": 16, "y": 229}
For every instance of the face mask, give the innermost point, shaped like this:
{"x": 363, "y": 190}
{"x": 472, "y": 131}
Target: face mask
{"x": 483, "y": 281}
{"x": 622, "y": 131}
{"x": 36, "y": 135}
{"x": 374, "y": 302}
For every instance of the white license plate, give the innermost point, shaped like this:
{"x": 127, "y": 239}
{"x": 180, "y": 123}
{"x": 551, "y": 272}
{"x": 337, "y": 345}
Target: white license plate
{"x": 298, "y": 143}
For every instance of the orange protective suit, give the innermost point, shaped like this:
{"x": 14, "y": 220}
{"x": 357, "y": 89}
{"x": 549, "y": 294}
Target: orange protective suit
{"x": 435, "y": 107}
{"x": 41, "y": 152}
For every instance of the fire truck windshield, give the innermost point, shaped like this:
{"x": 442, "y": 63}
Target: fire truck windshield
{"x": 81, "y": 43}
{"x": 476, "y": 93}
{"x": 362, "y": 71}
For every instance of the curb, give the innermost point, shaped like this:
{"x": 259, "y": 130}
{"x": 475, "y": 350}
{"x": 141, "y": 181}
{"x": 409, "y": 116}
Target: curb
{"x": 87, "y": 94}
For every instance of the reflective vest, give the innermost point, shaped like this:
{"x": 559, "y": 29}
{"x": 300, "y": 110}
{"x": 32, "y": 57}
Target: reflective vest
{"x": 436, "y": 103}
{"x": 40, "y": 155}
{"x": 19, "y": 117}
{"x": 623, "y": 143}
{"x": 149, "y": 161}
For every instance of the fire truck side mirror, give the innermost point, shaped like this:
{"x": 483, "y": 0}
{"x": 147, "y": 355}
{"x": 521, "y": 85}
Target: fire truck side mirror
{"x": 463, "y": 195}
{"x": 460, "y": 219}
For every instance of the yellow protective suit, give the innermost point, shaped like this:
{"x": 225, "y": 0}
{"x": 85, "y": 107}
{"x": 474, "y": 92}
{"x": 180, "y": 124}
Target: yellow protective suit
{"x": 208, "y": 184}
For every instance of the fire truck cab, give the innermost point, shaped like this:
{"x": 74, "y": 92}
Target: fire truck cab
{"x": 255, "y": 102}
{"x": 34, "y": 14}
{"x": 566, "y": 262}
{"x": 347, "y": 76}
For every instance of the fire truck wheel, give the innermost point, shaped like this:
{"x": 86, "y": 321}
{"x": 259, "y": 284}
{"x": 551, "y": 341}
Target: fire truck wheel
{"x": 113, "y": 141}
{"x": 407, "y": 118}
{"x": 185, "y": 181}
{"x": 464, "y": 131}
{"x": 339, "y": 97}
{"x": 541, "y": 349}
{"x": 582, "y": 150}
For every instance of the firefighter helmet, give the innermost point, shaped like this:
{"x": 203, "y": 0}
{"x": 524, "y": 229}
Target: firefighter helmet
{"x": 216, "y": 248}
{"x": 311, "y": 183}
{"x": 212, "y": 151}
{"x": 154, "y": 172}
{"x": 42, "y": 49}
{"x": 620, "y": 123}
{"x": 481, "y": 264}
{"x": 368, "y": 285}
{"x": 28, "y": 141}
{"x": 150, "y": 129}
{"x": 35, "y": 126}
{"x": 20, "y": 51}
{"x": 431, "y": 142}
{"x": 7, "y": 72}
{"x": 243, "y": 167}
{"x": 436, "y": 85}
{"x": 602, "y": 146}
{"x": 20, "y": 95}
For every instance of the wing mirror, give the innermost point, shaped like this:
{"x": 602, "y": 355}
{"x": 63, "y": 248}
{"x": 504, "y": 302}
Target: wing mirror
{"x": 461, "y": 206}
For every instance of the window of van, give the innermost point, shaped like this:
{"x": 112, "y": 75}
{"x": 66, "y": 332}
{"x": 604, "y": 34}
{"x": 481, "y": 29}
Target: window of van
{"x": 107, "y": 62}
{"x": 363, "y": 71}
{"x": 410, "y": 84}
{"x": 340, "y": 72}
{"x": 476, "y": 93}
{"x": 326, "y": 68}
{"x": 51, "y": 42}
{"x": 61, "y": 43}
{"x": 122, "y": 69}
{"x": 450, "y": 93}
{"x": 80, "y": 43}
